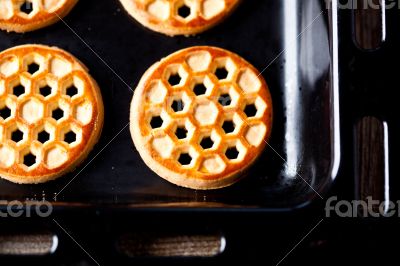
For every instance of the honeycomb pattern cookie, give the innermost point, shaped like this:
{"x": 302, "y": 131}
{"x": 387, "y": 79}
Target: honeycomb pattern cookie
{"x": 200, "y": 117}
{"x": 29, "y": 15}
{"x": 179, "y": 17}
{"x": 51, "y": 113}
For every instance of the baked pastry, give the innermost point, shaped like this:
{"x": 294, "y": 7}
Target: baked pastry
{"x": 178, "y": 17}
{"x": 29, "y": 15}
{"x": 51, "y": 113}
{"x": 200, "y": 117}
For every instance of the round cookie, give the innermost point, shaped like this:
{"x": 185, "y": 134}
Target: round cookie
{"x": 200, "y": 117}
{"x": 179, "y": 17}
{"x": 28, "y": 15}
{"x": 51, "y": 113}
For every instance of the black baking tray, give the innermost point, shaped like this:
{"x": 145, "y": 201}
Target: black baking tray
{"x": 295, "y": 41}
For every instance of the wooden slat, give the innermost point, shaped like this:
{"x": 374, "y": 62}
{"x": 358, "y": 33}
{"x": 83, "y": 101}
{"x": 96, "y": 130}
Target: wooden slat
{"x": 153, "y": 245}
{"x": 35, "y": 244}
{"x": 369, "y": 24}
{"x": 370, "y": 160}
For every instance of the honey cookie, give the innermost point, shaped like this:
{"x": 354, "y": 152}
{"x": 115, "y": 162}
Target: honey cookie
{"x": 179, "y": 17}
{"x": 201, "y": 117}
{"x": 51, "y": 113}
{"x": 28, "y": 15}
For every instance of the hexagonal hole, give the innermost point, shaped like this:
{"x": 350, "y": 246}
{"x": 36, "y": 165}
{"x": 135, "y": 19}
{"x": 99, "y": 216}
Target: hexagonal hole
{"x": 43, "y": 136}
{"x": 224, "y": 68}
{"x": 57, "y": 113}
{"x": 206, "y": 143}
{"x": 26, "y": 7}
{"x": 17, "y": 135}
{"x": 228, "y": 126}
{"x": 181, "y": 132}
{"x": 156, "y": 122}
{"x": 5, "y": 112}
{"x": 73, "y": 87}
{"x": 178, "y": 105}
{"x": 184, "y": 11}
{"x": 174, "y": 79}
{"x": 45, "y": 91}
{"x": 254, "y": 107}
{"x": 71, "y": 91}
{"x": 29, "y": 159}
{"x": 33, "y": 63}
{"x": 225, "y": 99}
{"x": 175, "y": 75}
{"x": 200, "y": 89}
{"x": 70, "y": 137}
{"x": 185, "y": 159}
{"x": 33, "y": 68}
{"x": 221, "y": 73}
{"x": 232, "y": 153}
{"x": 250, "y": 110}
{"x": 202, "y": 85}
{"x": 18, "y": 90}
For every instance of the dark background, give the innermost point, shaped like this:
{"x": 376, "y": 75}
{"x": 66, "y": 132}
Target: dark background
{"x": 125, "y": 50}
{"x": 368, "y": 87}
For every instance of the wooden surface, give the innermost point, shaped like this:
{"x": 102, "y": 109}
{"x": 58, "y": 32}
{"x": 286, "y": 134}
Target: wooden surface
{"x": 370, "y": 159}
{"x": 368, "y": 25}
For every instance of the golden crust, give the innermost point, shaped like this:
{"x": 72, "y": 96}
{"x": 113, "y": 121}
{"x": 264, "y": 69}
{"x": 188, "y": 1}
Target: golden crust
{"x": 33, "y": 112}
{"x": 12, "y": 19}
{"x": 163, "y": 15}
{"x": 202, "y": 116}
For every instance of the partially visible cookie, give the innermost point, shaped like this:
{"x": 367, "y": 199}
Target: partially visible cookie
{"x": 179, "y": 17}
{"x": 201, "y": 117}
{"x": 51, "y": 113}
{"x": 28, "y": 15}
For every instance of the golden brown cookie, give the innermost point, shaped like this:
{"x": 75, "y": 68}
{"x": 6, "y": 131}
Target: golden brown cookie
{"x": 51, "y": 113}
{"x": 179, "y": 17}
{"x": 29, "y": 15}
{"x": 200, "y": 117}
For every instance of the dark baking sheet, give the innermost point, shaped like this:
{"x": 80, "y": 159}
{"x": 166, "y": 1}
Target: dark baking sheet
{"x": 294, "y": 38}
